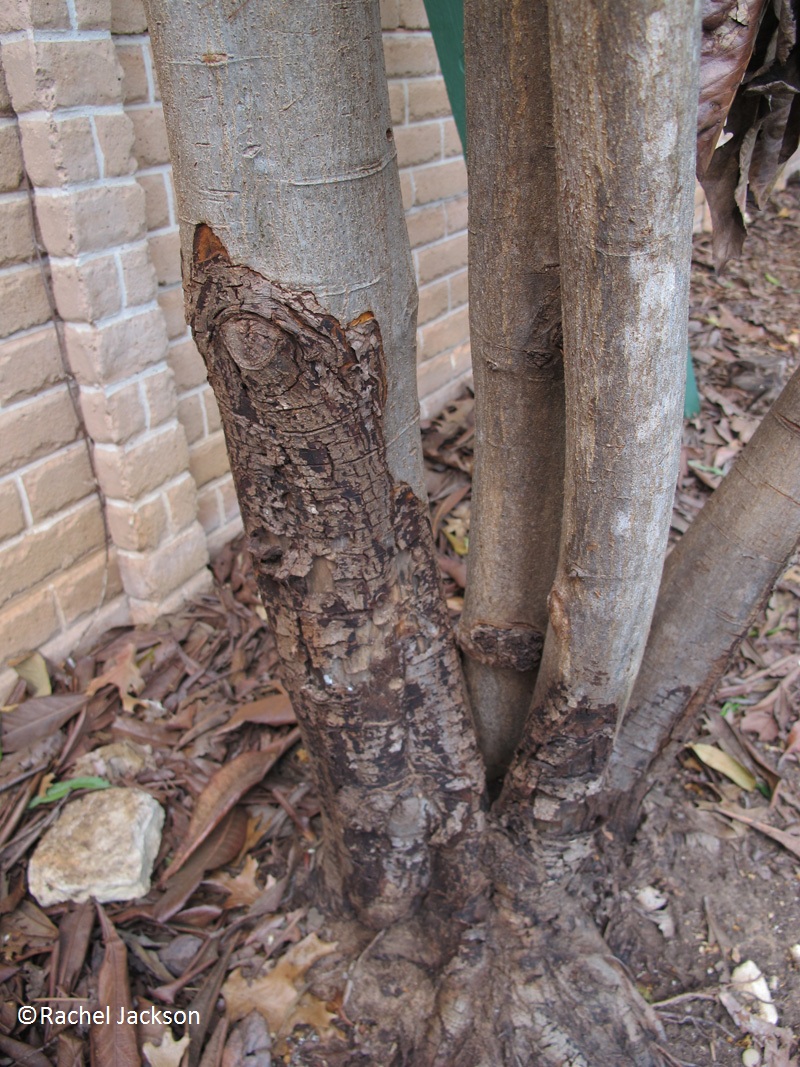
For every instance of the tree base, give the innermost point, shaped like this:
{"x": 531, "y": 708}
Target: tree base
{"x": 529, "y": 981}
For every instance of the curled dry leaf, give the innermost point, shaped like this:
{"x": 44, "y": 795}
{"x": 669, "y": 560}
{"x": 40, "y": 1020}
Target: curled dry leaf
{"x": 169, "y": 1053}
{"x": 225, "y": 789}
{"x": 273, "y": 710}
{"x": 123, "y": 674}
{"x": 242, "y": 890}
{"x": 725, "y": 764}
{"x": 279, "y": 995}
{"x": 114, "y": 1045}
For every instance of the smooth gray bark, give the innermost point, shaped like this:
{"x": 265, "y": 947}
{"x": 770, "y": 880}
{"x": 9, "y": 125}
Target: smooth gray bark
{"x": 281, "y": 141}
{"x": 625, "y": 95}
{"x": 515, "y": 334}
{"x": 715, "y": 579}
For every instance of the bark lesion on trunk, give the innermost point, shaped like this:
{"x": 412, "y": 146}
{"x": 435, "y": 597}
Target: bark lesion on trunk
{"x": 344, "y": 561}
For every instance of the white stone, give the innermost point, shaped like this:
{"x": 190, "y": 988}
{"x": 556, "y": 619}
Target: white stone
{"x": 102, "y": 847}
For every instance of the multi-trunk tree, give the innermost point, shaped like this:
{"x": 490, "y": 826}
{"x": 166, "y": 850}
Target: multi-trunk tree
{"x": 300, "y": 294}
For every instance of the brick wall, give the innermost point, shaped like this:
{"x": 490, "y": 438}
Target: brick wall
{"x": 114, "y": 482}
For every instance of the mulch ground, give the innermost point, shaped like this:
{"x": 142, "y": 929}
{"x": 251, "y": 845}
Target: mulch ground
{"x": 195, "y": 716}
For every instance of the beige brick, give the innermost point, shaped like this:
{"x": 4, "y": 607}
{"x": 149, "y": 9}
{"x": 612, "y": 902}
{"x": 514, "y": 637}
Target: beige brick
{"x": 12, "y": 518}
{"x": 156, "y": 202}
{"x": 127, "y": 16}
{"x": 451, "y": 141}
{"x": 30, "y": 559}
{"x": 406, "y": 190}
{"x": 417, "y": 144}
{"x": 442, "y": 258}
{"x": 137, "y": 527}
{"x": 58, "y": 481}
{"x": 190, "y": 414}
{"x": 29, "y": 364}
{"x": 165, "y": 252}
{"x": 113, "y": 418}
{"x": 10, "y": 158}
{"x": 439, "y": 181}
{"x": 445, "y": 334}
{"x": 26, "y": 623}
{"x": 100, "y": 355}
{"x": 85, "y": 292}
{"x": 160, "y": 396}
{"x": 57, "y": 150}
{"x": 209, "y": 508}
{"x": 425, "y": 225}
{"x": 16, "y": 244}
{"x": 93, "y": 14}
{"x": 5, "y": 99}
{"x": 155, "y": 574}
{"x": 90, "y": 220}
{"x": 130, "y": 472}
{"x": 413, "y": 15}
{"x": 390, "y": 15}
{"x": 23, "y": 300}
{"x": 181, "y": 499}
{"x": 427, "y": 99}
{"x": 409, "y": 55}
{"x": 150, "y": 132}
{"x": 208, "y": 459}
{"x": 39, "y": 14}
{"x": 138, "y": 275}
{"x": 459, "y": 288}
{"x": 442, "y": 369}
{"x": 213, "y": 418}
{"x": 115, "y": 136}
{"x": 230, "y": 503}
{"x": 397, "y": 102}
{"x": 35, "y": 427}
{"x": 135, "y": 89}
{"x": 187, "y": 365}
{"x": 65, "y": 73}
{"x": 92, "y": 582}
{"x": 434, "y": 300}
{"x": 170, "y": 300}
{"x": 457, "y": 214}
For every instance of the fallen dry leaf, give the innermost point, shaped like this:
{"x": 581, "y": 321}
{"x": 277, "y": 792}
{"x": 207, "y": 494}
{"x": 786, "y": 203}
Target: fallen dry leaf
{"x": 113, "y": 1045}
{"x": 169, "y": 1053}
{"x": 123, "y": 674}
{"x": 279, "y": 996}
{"x": 720, "y": 761}
{"x": 273, "y": 710}
{"x": 225, "y": 789}
{"x": 37, "y": 718}
{"x": 242, "y": 890}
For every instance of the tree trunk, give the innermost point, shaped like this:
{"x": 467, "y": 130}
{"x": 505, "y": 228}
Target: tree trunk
{"x": 301, "y": 300}
{"x": 515, "y": 334}
{"x": 625, "y": 103}
{"x": 715, "y": 580}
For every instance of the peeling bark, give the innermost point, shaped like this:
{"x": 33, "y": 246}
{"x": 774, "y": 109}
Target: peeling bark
{"x": 716, "y": 579}
{"x": 345, "y": 564}
{"x": 626, "y": 189}
{"x": 515, "y": 332}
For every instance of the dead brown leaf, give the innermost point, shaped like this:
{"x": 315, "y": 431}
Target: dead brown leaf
{"x": 225, "y": 789}
{"x": 273, "y": 710}
{"x": 123, "y": 674}
{"x": 74, "y": 933}
{"x": 38, "y": 718}
{"x": 113, "y": 1045}
{"x": 242, "y": 890}
{"x": 280, "y": 996}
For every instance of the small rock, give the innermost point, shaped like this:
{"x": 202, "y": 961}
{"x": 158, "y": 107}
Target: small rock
{"x": 794, "y": 952}
{"x": 118, "y": 761}
{"x": 102, "y": 846}
{"x": 751, "y": 1057}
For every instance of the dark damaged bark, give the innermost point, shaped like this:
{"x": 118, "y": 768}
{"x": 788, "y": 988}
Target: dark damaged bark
{"x": 345, "y": 563}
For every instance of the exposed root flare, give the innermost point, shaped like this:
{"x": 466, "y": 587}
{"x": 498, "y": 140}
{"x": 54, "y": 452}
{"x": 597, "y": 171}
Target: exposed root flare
{"x": 531, "y": 982}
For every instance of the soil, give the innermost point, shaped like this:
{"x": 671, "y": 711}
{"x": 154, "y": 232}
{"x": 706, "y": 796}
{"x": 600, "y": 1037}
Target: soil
{"x": 699, "y": 892}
